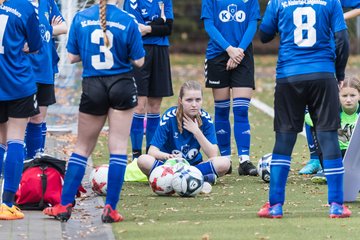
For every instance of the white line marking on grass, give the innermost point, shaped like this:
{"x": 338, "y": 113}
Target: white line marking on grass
{"x": 267, "y": 109}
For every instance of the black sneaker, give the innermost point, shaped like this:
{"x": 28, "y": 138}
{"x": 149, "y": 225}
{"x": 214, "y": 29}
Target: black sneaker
{"x": 247, "y": 168}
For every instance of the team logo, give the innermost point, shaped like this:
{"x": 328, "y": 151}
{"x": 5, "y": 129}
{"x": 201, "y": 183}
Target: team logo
{"x": 176, "y": 135}
{"x": 189, "y": 153}
{"x": 232, "y": 14}
{"x": 144, "y": 11}
{"x": 45, "y": 34}
{"x": 133, "y": 4}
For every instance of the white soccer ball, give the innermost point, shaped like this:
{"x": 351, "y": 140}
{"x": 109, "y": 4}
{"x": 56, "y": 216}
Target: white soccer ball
{"x": 98, "y": 179}
{"x": 263, "y": 167}
{"x": 188, "y": 182}
{"x": 160, "y": 180}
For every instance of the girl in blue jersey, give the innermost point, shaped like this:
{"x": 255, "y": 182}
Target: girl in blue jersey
{"x": 229, "y": 71}
{"x": 155, "y": 20}
{"x": 51, "y": 24}
{"x": 182, "y": 132}
{"x": 105, "y": 39}
{"x": 305, "y": 76}
{"x": 18, "y": 25}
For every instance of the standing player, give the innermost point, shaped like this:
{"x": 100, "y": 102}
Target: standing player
{"x": 184, "y": 130}
{"x": 153, "y": 80}
{"x": 18, "y": 25}
{"x": 229, "y": 71}
{"x": 306, "y": 31}
{"x": 109, "y": 91}
{"x": 51, "y": 24}
{"x": 313, "y": 165}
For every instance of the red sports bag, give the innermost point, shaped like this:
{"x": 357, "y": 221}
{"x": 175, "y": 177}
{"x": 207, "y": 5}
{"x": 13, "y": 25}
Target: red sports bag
{"x": 41, "y": 183}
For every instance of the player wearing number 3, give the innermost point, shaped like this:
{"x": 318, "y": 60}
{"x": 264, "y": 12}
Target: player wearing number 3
{"x": 305, "y": 75}
{"x": 109, "y": 91}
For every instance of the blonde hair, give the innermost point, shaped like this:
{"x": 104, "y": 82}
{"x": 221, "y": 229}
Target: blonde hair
{"x": 352, "y": 82}
{"x": 102, "y": 9}
{"x": 189, "y": 85}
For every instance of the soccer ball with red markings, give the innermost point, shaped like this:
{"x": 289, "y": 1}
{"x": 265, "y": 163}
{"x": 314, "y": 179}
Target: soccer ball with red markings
{"x": 160, "y": 180}
{"x": 98, "y": 179}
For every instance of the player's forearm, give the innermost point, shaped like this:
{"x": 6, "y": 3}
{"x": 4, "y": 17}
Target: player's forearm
{"x": 248, "y": 35}
{"x": 342, "y": 53}
{"x": 214, "y": 34}
{"x": 352, "y": 13}
{"x": 210, "y": 150}
{"x": 161, "y": 30}
{"x": 60, "y": 29}
{"x": 265, "y": 37}
{"x": 157, "y": 154}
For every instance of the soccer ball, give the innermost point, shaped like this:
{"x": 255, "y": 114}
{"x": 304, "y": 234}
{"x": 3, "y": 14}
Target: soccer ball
{"x": 188, "y": 182}
{"x": 177, "y": 164}
{"x": 98, "y": 179}
{"x": 263, "y": 167}
{"x": 160, "y": 180}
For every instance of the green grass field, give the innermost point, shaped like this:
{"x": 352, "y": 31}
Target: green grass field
{"x": 229, "y": 211}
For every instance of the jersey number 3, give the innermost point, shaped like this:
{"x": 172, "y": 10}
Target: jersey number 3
{"x": 3, "y": 22}
{"x": 302, "y": 27}
{"x": 108, "y": 56}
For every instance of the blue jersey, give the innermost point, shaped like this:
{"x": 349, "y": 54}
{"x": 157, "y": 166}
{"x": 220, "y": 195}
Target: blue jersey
{"x": 231, "y": 19}
{"x": 86, "y": 39}
{"x": 146, "y": 11}
{"x": 18, "y": 25}
{"x": 168, "y": 138}
{"x": 350, "y": 3}
{"x": 42, "y": 62}
{"x": 306, "y": 30}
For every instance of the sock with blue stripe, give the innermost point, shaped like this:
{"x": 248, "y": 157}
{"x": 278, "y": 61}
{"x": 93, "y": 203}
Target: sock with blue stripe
{"x": 334, "y": 172}
{"x": 14, "y": 163}
{"x": 242, "y": 127}
{"x": 43, "y": 134}
{"x": 33, "y": 139}
{"x": 207, "y": 168}
{"x": 137, "y": 134}
{"x": 73, "y": 177}
{"x": 117, "y": 167}
{"x": 153, "y": 120}
{"x": 2, "y": 153}
{"x": 279, "y": 168}
{"x": 222, "y": 126}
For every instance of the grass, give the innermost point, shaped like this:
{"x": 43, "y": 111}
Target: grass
{"x": 229, "y": 211}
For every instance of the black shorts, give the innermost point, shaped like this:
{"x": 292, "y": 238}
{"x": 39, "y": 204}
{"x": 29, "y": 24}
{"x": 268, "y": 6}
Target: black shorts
{"x": 153, "y": 79}
{"x": 101, "y": 93}
{"x": 45, "y": 94}
{"x": 321, "y": 97}
{"x": 216, "y": 75}
{"x": 19, "y": 108}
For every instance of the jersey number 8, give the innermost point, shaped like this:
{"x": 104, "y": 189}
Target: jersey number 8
{"x": 304, "y": 26}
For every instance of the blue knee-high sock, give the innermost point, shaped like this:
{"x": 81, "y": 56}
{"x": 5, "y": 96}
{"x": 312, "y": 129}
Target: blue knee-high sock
{"x": 2, "y": 153}
{"x": 14, "y": 163}
{"x": 206, "y": 168}
{"x": 73, "y": 177}
{"x": 137, "y": 134}
{"x": 310, "y": 141}
{"x": 279, "y": 168}
{"x": 43, "y": 134}
{"x": 334, "y": 172}
{"x": 242, "y": 127}
{"x": 33, "y": 139}
{"x": 117, "y": 167}
{"x": 153, "y": 120}
{"x": 222, "y": 126}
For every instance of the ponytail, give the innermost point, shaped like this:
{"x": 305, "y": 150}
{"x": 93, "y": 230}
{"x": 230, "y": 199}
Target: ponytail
{"x": 103, "y": 21}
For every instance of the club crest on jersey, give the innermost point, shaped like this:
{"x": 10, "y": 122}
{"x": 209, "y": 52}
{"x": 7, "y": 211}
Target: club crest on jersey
{"x": 45, "y": 34}
{"x": 232, "y": 14}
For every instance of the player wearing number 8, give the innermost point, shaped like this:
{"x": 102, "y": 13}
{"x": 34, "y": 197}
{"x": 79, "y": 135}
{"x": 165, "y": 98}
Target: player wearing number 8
{"x": 305, "y": 75}
{"x": 104, "y": 38}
